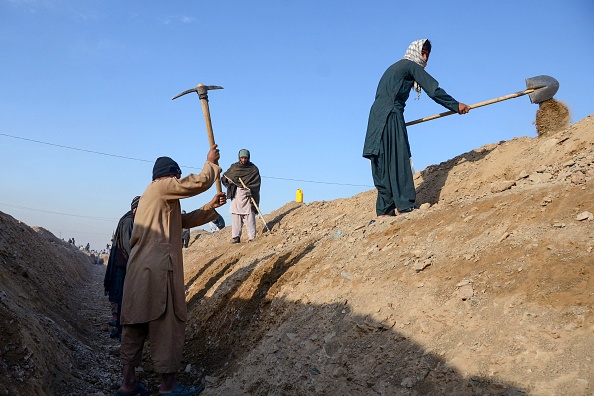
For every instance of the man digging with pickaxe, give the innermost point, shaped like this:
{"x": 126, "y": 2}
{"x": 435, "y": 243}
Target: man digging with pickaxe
{"x": 153, "y": 302}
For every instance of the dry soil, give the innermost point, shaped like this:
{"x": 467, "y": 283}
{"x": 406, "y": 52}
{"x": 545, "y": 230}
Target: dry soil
{"x": 486, "y": 289}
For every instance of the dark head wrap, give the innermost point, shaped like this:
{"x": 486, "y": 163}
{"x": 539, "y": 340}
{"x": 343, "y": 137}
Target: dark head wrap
{"x": 165, "y": 166}
{"x": 134, "y": 203}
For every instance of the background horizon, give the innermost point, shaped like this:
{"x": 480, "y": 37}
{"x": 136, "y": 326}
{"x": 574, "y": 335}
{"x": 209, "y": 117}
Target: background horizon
{"x": 85, "y": 104}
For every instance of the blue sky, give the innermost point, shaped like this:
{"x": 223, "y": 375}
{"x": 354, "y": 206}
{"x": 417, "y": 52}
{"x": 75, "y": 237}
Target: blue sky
{"x": 299, "y": 78}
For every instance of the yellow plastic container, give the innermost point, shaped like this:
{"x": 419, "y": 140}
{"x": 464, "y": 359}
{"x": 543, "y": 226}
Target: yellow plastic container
{"x": 299, "y": 196}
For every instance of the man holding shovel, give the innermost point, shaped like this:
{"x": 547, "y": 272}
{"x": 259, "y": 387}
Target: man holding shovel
{"x": 154, "y": 303}
{"x": 242, "y": 181}
{"x": 386, "y": 142}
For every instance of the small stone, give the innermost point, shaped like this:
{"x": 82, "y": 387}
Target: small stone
{"x": 540, "y": 177}
{"x": 291, "y": 336}
{"x": 502, "y": 186}
{"x": 210, "y": 379}
{"x": 522, "y": 175}
{"x": 329, "y": 337}
{"x": 417, "y": 253}
{"x": 504, "y": 236}
{"x": 578, "y": 178}
{"x": 549, "y": 144}
{"x": 314, "y": 371}
{"x": 585, "y": 215}
{"x": 466, "y": 292}
{"x": 421, "y": 265}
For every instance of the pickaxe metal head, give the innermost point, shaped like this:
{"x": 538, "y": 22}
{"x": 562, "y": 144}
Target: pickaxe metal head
{"x": 201, "y": 90}
{"x": 545, "y": 88}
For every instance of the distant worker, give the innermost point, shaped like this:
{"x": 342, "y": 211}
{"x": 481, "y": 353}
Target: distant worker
{"x": 185, "y": 234}
{"x": 242, "y": 208}
{"x": 154, "y": 302}
{"x": 115, "y": 273}
{"x": 386, "y": 141}
{"x": 217, "y": 224}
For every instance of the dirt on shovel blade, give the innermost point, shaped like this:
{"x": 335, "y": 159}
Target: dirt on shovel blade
{"x": 551, "y": 117}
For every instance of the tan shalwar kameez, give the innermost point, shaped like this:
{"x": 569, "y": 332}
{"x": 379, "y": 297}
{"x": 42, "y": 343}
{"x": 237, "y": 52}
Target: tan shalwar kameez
{"x": 242, "y": 211}
{"x": 154, "y": 297}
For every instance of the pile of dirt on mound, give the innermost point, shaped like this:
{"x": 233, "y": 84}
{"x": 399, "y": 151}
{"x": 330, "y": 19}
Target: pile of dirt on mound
{"x": 552, "y": 116}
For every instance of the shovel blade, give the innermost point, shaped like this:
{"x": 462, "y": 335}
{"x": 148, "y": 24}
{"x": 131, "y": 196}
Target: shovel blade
{"x": 546, "y": 87}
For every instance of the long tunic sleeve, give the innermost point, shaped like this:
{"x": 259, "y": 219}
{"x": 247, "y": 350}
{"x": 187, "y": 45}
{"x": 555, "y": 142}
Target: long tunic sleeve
{"x": 157, "y": 245}
{"x": 127, "y": 228}
{"x": 392, "y": 92}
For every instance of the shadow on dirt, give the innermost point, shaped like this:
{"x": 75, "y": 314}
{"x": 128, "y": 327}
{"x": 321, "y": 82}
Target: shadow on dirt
{"x": 435, "y": 176}
{"x": 221, "y": 333}
{"x": 202, "y": 270}
{"x": 277, "y": 219}
{"x": 303, "y": 348}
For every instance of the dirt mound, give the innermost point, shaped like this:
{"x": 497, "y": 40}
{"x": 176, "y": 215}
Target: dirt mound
{"x": 552, "y": 116}
{"x": 42, "y": 305}
{"x": 486, "y": 289}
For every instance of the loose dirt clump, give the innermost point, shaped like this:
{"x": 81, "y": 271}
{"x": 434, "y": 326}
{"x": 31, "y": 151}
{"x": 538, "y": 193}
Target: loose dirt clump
{"x": 552, "y": 116}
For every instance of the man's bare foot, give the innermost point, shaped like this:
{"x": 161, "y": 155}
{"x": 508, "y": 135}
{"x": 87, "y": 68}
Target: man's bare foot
{"x": 384, "y": 216}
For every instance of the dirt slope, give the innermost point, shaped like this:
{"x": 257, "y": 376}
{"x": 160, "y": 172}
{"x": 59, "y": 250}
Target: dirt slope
{"x": 487, "y": 289}
{"x": 45, "y": 344}
{"x": 326, "y": 304}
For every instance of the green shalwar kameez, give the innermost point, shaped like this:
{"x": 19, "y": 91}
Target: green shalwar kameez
{"x": 386, "y": 141}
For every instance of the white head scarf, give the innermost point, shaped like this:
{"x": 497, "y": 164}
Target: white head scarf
{"x": 414, "y": 54}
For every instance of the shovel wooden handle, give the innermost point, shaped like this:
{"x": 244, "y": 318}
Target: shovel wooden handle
{"x": 480, "y": 104}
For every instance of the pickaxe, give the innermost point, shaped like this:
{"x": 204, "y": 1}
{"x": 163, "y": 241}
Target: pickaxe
{"x": 202, "y": 91}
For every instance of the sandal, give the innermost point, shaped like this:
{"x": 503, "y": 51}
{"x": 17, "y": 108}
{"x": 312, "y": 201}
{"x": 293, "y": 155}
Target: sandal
{"x": 183, "y": 390}
{"x": 140, "y": 390}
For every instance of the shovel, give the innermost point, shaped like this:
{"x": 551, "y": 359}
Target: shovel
{"x": 539, "y": 88}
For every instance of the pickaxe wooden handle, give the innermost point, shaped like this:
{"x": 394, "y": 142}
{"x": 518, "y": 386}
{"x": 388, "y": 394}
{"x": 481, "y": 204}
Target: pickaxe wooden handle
{"x": 202, "y": 91}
